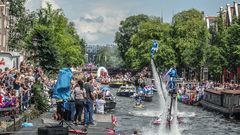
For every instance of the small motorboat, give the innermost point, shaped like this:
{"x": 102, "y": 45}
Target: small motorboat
{"x": 116, "y": 84}
{"x": 147, "y": 98}
{"x": 126, "y": 91}
{"x": 110, "y": 104}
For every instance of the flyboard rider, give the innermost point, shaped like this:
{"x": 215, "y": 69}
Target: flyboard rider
{"x": 154, "y": 48}
{"x": 172, "y": 73}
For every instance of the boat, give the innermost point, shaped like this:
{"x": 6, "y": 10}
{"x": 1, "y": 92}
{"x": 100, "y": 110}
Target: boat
{"x": 116, "y": 84}
{"x": 147, "y": 98}
{"x": 126, "y": 91}
{"x": 146, "y": 93}
{"x": 110, "y": 100}
{"x": 224, "y": 101}
{"x": 110, "y": 104}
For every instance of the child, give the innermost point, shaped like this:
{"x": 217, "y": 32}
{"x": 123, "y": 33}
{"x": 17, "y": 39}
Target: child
{"x": 100, "y": 102}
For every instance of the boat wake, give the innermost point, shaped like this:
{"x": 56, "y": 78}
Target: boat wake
{"x": 186, "y": 114}
{"x": 145, "y": 113}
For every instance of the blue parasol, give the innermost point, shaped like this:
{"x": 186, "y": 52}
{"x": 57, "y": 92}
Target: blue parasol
{"x": 104, "y": 88}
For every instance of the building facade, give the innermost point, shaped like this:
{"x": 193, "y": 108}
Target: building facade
{"x": 92, "y": 50}
{"x": 228, "y": 14}
{"x": 4, "y": 17}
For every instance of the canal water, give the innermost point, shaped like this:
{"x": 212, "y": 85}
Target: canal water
{"x": 196, "y": 120}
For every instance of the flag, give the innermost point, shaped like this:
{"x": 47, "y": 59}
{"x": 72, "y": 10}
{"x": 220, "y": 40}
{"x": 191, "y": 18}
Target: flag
{"x": 114, "y": 120}
{"x": 62, "y": 89}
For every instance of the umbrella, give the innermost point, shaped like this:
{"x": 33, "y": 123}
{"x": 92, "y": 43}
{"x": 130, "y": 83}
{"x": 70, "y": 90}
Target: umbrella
{"x": 104, "y": 88}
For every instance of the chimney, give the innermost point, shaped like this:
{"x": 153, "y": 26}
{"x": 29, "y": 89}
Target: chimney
{"x": 236, "y": 8}
{"x": 229, "y": 14}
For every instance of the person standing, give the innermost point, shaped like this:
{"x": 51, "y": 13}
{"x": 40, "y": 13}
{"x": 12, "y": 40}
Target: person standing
{"x": 172, "y": 73}
{"x": 88, "y": 110}
{"x": 100, "y": 102}
{"x": 80, "y": 100}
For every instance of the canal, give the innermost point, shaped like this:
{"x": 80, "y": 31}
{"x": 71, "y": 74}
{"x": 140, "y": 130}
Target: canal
{"x": 196, "y": 120}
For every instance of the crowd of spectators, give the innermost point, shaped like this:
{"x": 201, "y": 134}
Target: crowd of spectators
{"x": 225, "y": 86}
{"x": 16, "y": 85}
{"x": 191, "y": 93}
{"x": 86, "y": 98}
{"x": 122, "y": 77}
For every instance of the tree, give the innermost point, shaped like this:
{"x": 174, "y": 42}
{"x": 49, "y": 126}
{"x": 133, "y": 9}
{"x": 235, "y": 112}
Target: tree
{"x": 58, "y": 43}
{"x": 44, "y": 50}
{"x": 127, "y": 28}
{"x": 190, "y": 36}
{"x": 218, "y": 51}
{"x": 233, "y": 52}
{"x": 138, "y": 55}
{"x": 20, "y": 23}
{"x": 215, "y": 61}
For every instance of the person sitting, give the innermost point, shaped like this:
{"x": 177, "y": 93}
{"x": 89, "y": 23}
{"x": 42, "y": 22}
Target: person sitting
{"x": 138, "y": 99}
{"x": 108, "y": 95}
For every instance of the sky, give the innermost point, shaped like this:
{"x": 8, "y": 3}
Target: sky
{"x": 97, "y": 20}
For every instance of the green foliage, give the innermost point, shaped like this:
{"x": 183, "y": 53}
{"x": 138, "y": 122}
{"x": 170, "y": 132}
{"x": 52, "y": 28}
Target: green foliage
{"x": 54, "y": 41}
{"x": 40, "y": 101}
{"x": 215, "y": 61}
{"x": 139, "y": 54}
{"x": 45, "y": 51}
{"x": 233, "y": 51}
{"x": 20, "y": 23}
{"x": 127, "y": 28}
{"x": 183, "y": 43}
{"x": 190, "y": 36}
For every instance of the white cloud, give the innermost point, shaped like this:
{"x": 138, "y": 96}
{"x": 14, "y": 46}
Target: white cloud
{"x": 52, "y": 2}
{"x": 99, "y": 22}
{"x": 36, "y": 4}
{"x": 96, "y": 22}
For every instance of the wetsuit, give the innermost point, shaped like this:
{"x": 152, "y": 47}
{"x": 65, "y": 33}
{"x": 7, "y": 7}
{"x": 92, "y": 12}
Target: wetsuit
{"x": 172, "y": 73}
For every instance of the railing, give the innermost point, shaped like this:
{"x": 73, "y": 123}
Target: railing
{"x": 9, "y": 113}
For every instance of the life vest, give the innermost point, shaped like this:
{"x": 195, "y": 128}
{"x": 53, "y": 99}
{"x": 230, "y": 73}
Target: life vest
{"x": 173, "y": 73}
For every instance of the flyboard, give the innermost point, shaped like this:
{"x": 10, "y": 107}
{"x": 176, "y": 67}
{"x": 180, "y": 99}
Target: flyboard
{"x": 140, "y": 106}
